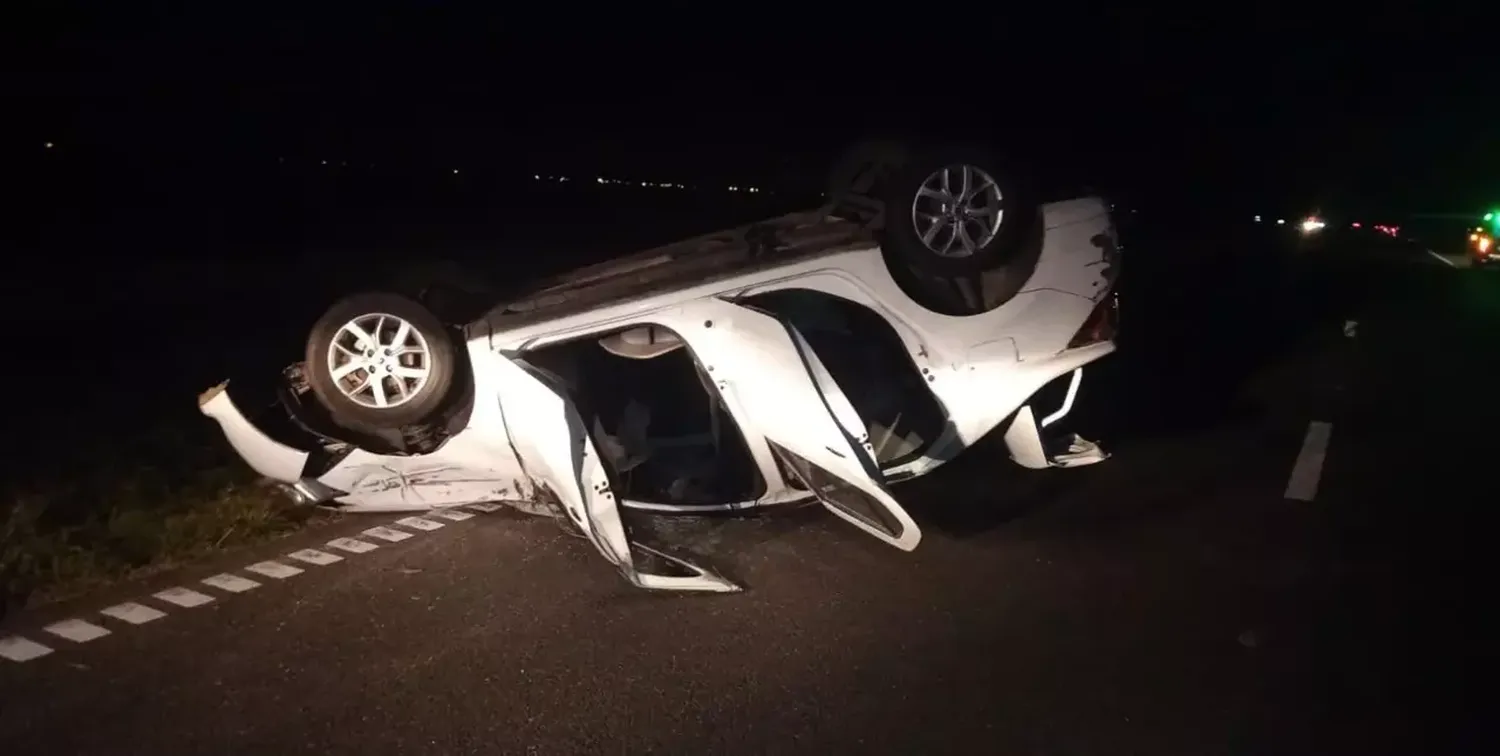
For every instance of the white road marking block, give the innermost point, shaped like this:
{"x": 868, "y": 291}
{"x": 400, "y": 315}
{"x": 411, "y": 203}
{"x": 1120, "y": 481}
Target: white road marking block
{"x": 186, "y": 598}
{"x": 419, "y": 523}
{"x": 18, "y": 649}
{"x": 456, "y": 515}
{"x": 231, "y": 583}
{"x": 1308, "y": 470}
{"x": 485, "y": 507}
{"x": 352, "y": 545}
{"x": 76, "y": 630}
{"x": 135, "y": 614}
{"x": 274, "y": 569}
{"x": 313, "y": 556}
{"x": 1442, "y": 259}
{"x": 387, "y": 534}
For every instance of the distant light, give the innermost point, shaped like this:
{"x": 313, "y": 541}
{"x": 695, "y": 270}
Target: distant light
{"x": 1354, "y": 224}
{"x": 1257, "y": 219}
{"x": 1281, "y": 221}
{"x": 1487, "y": 216}
{"x": 536, "y": 177}
{"x": 324, "y": 162}
{"x": 455, "y": 171}
{"x": 50, "y": 145}
{"x": 1312, "y": 225}
{"x": 600, "y": 179}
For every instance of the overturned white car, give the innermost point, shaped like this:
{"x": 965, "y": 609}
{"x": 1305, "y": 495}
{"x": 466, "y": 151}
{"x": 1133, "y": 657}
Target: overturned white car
{"x": 816, "y": 355}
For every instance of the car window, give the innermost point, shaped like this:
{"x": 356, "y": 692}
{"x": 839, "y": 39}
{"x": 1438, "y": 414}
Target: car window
{"x": 837, "y": 493}
{"x": 867, "y": 359}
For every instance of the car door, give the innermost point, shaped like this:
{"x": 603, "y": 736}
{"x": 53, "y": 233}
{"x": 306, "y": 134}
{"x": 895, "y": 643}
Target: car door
{"x": 785, "y": 394}
{"x": 549, "y": 437}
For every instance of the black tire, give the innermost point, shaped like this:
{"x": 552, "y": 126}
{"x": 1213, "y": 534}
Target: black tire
{"x": 455, "y": 292}
{"x": 429, "y": 396}
{"x": 903, "y": 240}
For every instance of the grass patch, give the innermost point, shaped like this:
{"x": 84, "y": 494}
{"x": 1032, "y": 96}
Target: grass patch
{"x": 176, "y": 494}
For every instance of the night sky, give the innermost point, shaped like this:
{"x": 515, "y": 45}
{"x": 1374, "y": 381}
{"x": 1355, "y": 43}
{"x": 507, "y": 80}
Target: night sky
{"x": 1359, "y": 110}
{"x": 164, "y": 198}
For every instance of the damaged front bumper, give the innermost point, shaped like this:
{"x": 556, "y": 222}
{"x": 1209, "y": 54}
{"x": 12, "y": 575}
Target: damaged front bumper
{"x": 265, "y": 455}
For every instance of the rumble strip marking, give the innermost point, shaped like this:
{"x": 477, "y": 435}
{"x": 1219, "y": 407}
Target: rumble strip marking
{"x": 17, "y": 648}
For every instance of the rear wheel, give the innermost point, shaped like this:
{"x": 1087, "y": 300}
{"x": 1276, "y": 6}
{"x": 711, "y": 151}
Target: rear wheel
{"x": 955, "y": 212}
{"x": 380, "y": 361}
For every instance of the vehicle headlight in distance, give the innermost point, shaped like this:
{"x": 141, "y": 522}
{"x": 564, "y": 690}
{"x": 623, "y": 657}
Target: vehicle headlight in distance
{"x": 1312, "y": 225}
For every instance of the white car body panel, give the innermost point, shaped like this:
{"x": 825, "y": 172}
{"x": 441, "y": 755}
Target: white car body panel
{"x": 266, "y": 456}
{"x": 981, "y": 368}
{"x": 552, "y": 443}
{"x": 775, "y": 377}
{"x": 476, "y": 464}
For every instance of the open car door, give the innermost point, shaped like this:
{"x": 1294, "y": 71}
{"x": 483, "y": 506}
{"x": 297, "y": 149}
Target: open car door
{"x": 550, "y": 439}
{"x": 763, "y": 364}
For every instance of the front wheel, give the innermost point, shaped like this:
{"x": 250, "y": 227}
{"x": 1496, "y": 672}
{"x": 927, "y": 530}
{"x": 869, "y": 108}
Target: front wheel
{"x": 380, "y": 361}
{"x": 955, "y": 212}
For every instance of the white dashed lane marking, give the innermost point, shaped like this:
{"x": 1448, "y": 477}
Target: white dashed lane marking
{"x": 1308, "y": 470}
{"x": 315, "y": 557}
{"x": 135, "y": 614}
{"x": 76, "y": 630}
{"x": 18, "y": 649}
{"x": 231, "y": 583}
{"x": 272, "y": 569}
{"x": 388, "y": 534}
{"x": 419, "y": 523}
{"x": 352, "y": 545}
{"x": 186, "y": 598}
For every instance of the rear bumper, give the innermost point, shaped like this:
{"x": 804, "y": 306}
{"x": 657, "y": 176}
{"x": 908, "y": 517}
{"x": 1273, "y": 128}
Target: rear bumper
{"x": 1024, "y": 436}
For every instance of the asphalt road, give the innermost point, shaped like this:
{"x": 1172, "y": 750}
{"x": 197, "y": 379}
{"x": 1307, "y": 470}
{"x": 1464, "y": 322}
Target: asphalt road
{"x": 1172, "y": 600}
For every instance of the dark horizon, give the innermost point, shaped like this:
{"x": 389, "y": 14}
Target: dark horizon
{"x": 1365, "y": 113}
